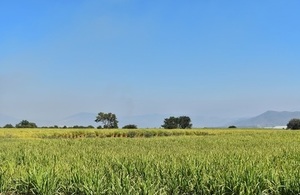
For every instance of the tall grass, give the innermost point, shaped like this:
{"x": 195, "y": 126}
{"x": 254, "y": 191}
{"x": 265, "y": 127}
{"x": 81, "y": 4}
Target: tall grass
{"x": 230, "y": 162}
{"x": 89, "y": 133}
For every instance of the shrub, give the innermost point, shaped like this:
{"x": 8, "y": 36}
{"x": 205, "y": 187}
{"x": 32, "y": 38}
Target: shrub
{"x": 26, "y": 124}
{"x": 294, "y": 124}
{"x": 8, "y": 126}
{"x": 232, "y": 127}
{"x": 131, "y": 126}
{"x": 131, "y": 134}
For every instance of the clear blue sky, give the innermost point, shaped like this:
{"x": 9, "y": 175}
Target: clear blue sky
{"x": 132, "y": 57}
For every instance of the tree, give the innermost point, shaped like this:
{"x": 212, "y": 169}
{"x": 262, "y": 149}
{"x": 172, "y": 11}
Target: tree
{"x": 129, "y": 127}
{"x": 26, "y": 124}
{"x": 170, "y": 123}
{"x": 294, "y": 124}
{"x": 182, "y": 122}
{"x": 109, "y": 120}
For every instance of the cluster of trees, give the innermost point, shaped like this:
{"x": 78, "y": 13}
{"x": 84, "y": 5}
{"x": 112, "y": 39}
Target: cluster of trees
{"x": 182, "y": 122}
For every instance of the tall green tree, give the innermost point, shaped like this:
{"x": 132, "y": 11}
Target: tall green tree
{"x": 109, "y": 120}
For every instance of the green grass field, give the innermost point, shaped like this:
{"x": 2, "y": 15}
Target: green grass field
{"x": 206, "y": 161}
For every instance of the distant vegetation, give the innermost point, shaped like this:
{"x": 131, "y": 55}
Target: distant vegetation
{"x": 131, "y": 126}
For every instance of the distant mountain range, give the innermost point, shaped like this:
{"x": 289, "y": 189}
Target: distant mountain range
{"x": 83, "y": 119}
{"x": 267, "y": 119}
{"x": 7, "y": 120}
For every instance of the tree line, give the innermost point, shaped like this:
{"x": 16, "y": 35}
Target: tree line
{"x": 109, "y": 121}
{"x": 27, "y": 124}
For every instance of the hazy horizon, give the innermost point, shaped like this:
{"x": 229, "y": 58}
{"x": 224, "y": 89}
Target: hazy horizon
{"x": 201, "y": 58}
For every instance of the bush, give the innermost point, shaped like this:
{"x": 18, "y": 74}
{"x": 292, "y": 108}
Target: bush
{"x": 8, "y": 126}
{"x": 232, "y": 127}
{"x": 131, "y": 134}
{"x": 294, "y": 124}
{"x": 129, "y": 127}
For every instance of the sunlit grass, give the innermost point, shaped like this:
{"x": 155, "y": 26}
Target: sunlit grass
{"x": 93, "y": 133}
{"x": 216, "y": 161}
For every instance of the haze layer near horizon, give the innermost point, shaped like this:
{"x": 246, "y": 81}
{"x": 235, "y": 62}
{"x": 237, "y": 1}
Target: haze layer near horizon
{"x": 211, "y": 58}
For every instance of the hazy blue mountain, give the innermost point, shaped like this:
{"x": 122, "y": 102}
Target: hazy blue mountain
{"x": 8, "y": 120}
{"x": 143, "y": 121}
{"x": 211, "y": 121}
{"x": 156, "y": 120}
{"x": 81, "y": 119}
{"x": 268, "y": 119}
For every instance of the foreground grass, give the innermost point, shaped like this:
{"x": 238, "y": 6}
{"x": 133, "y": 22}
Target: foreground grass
{"x": 227, "y": 162}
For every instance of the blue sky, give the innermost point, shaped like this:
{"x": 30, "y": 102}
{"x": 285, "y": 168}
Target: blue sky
{"x": 133, "y": 57}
